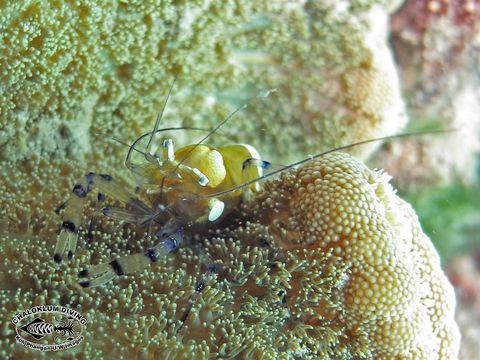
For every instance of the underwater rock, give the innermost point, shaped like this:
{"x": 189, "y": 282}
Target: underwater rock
{"x": 464, "y": 274}
{"x": 437, "y": 48}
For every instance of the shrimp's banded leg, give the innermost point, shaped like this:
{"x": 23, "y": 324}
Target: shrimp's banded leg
{"x": 252, "y": 169}
{"x": 67, "y": 239}
{"x": 199, "y": 286}
{"x": 98, "y": 275}
{"x": 71, "y": 219}
{"x": 91, "y": 225}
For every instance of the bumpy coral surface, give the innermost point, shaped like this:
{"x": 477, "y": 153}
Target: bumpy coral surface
{"x": 327, "y": 262}
{"x": 395, "y": 282}
{"x": 73, "y": 73}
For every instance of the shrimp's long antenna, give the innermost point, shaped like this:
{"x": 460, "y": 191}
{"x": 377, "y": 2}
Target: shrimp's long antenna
{"x": 213, "y": 131}
{"x": 232, "y": 114}
{"x": 223, "y": 122}
{"x": 159, "y": 117}
{"x": 316, "y": 156}
{"x": 133, "y": 148}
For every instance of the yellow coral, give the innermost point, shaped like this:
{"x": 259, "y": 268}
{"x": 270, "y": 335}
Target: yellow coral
{"x": 327, "y": 262}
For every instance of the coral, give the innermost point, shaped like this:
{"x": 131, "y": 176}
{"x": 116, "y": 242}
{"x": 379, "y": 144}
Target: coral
{"x": 395, "y": 281}
{"x": 71, "y": 74}
{"x": 326, "y": 262}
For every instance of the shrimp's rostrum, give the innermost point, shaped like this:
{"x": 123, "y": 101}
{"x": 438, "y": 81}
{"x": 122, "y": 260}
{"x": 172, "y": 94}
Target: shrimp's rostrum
{"x": 180, "y": 186}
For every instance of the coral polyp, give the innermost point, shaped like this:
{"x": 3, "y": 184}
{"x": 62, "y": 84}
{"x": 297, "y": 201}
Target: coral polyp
{"x": 71, "y": 73}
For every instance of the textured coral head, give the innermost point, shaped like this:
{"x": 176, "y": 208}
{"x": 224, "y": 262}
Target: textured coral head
{"x": 396, "y": 291}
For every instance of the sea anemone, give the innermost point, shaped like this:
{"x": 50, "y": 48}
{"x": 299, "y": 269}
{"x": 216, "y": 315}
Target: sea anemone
{"x": 325, "y": 262}
{"x": 71, "y": 74}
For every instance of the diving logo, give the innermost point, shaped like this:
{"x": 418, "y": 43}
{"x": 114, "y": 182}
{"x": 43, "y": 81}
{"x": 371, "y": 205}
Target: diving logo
{"x": 49, "y": 328}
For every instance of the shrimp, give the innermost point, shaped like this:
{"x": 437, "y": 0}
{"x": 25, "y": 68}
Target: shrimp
{"x": 198, "y": 184}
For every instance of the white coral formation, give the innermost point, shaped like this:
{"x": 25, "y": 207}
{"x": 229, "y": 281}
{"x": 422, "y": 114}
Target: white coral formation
{"x": 372, "y": 90}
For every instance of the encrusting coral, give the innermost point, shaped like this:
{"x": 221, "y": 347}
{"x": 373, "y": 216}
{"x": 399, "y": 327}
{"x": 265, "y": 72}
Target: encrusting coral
{"x": 326, "y": 262}
{"x": 395, "y": 282}
{"x": 72, "y": 73}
